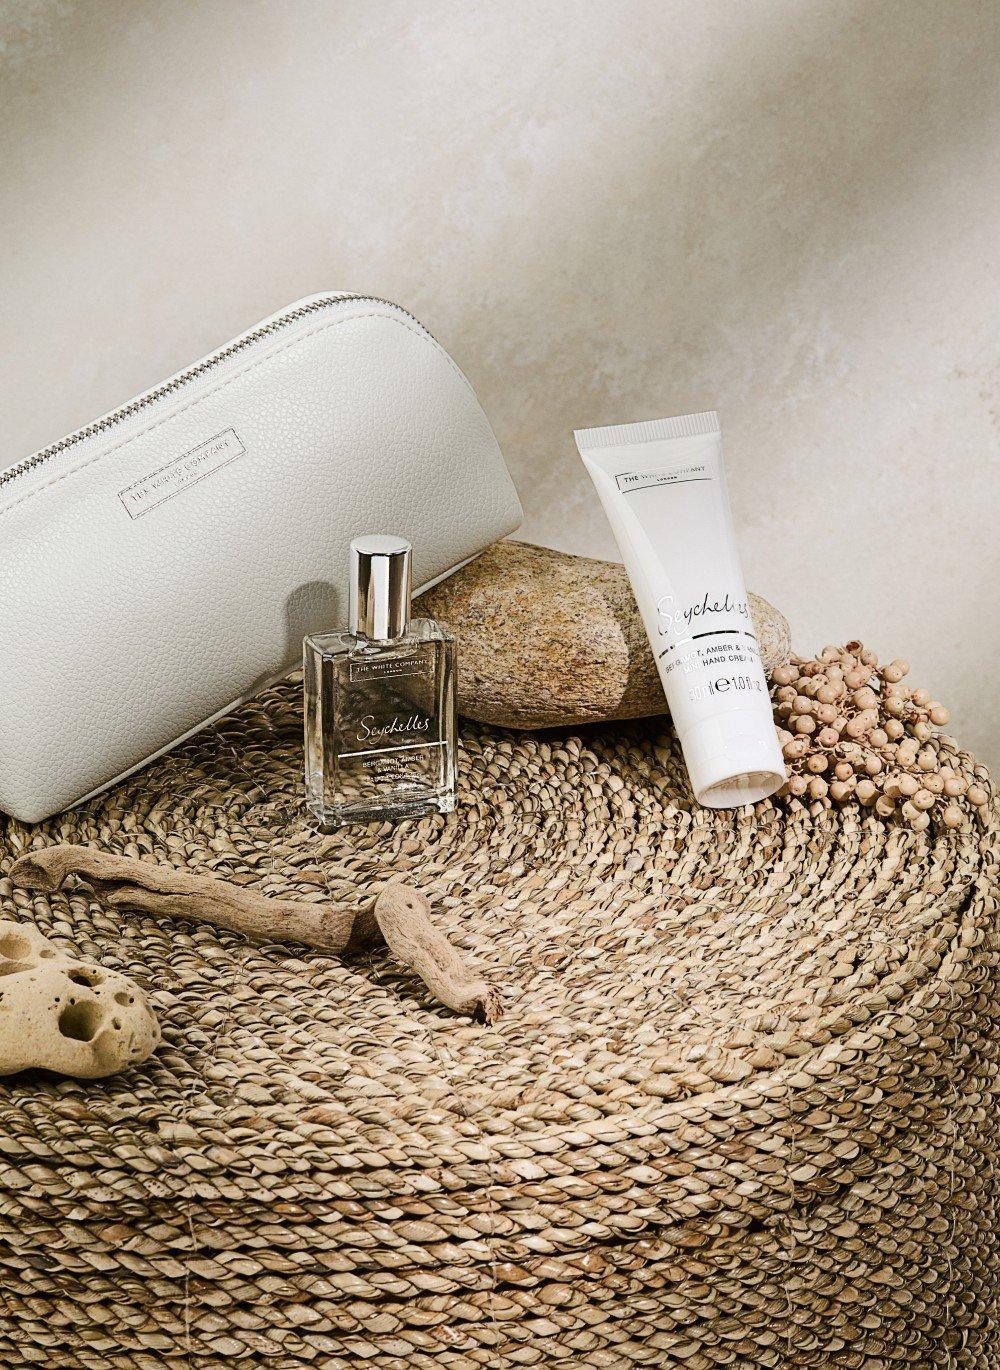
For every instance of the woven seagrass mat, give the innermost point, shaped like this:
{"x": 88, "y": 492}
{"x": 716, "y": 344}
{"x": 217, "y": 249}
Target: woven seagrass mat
{"x": 741, "y": 1109}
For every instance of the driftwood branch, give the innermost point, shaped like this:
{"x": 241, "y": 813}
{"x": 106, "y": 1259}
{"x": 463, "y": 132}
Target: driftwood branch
{"x": 401, "y": 916}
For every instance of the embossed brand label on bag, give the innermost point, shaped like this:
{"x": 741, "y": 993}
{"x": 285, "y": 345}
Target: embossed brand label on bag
{"x": 145, "y": 494}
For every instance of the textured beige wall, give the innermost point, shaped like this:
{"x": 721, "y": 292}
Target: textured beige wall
{"x": 786, "y": 209}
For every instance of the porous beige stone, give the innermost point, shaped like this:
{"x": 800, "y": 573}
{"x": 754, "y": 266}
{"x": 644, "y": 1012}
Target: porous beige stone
{"x": 65, "y": 1015}
{"x": 549, "y": 640}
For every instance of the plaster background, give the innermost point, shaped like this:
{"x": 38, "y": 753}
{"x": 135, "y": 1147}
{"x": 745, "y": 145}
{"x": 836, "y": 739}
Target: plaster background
{"x": 786, "y": 210}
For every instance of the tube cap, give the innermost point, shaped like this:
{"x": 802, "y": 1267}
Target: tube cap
{"x": 734, "y": 758}
{"x": 380, "y": 573}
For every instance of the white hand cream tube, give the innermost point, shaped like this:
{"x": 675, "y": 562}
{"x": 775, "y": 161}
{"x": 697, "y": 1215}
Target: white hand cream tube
{"x": 663, "y": 488}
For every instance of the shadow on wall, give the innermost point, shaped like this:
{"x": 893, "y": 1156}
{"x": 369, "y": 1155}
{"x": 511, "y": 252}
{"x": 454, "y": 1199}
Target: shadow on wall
{"x": 807, "y": 148}
{"x": 313, "y": 607}
{"x": 574, "y": 259}
{"x": 30, "y": 30}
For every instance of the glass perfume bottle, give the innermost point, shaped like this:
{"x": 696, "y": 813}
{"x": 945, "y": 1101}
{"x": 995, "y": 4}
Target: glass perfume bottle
{"x": 379, "y": 700}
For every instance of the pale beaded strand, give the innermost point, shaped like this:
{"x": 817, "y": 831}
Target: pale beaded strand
{"x": 851, "y": 730}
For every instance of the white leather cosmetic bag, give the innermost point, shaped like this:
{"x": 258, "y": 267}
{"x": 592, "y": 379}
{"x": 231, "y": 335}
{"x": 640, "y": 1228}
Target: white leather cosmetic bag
{"x": 163, "y": 564}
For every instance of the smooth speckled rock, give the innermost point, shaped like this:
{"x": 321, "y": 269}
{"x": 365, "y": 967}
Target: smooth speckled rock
{"x": 70, "y": 1016}
{"x": 549, "y": 640}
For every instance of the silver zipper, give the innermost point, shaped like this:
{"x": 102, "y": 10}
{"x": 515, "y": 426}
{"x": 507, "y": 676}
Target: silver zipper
{"x": 192, "y": 373}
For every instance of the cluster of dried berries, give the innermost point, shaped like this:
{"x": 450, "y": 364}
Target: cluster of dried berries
{"x": 850, "y": 729}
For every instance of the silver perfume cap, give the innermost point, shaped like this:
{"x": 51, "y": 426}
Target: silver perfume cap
{"x": 380, "y": 587}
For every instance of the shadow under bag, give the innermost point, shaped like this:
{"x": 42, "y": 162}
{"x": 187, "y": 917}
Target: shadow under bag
{"x": 162, "y": 564}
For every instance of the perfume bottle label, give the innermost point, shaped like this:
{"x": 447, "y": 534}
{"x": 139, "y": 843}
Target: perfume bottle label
{"x": 416, "y": 723}
{"x": 391, "y": 770}
{"x": 396, "y": 734}
{"x": 381, "y": 669}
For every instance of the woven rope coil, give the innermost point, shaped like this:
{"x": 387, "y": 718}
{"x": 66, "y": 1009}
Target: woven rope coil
{"x": 740, "y": 1109}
